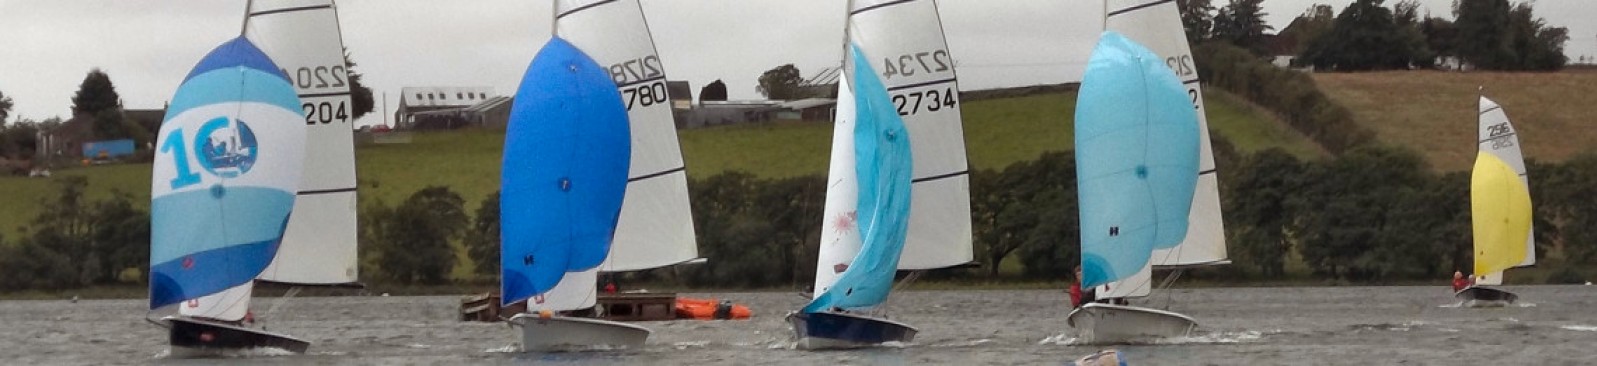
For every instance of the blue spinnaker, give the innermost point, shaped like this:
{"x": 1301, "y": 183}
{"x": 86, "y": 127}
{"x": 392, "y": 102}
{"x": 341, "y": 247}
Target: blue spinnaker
{"x": 225, "y": 174}
{"x": 564, "y": 173}
{"x": 883, "y": 168}
{"x": 1136, "y": 159}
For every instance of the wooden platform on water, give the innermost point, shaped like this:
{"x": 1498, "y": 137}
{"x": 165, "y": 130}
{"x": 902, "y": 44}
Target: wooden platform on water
{"x": 626, "y": 307}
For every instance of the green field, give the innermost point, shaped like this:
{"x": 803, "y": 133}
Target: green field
{"x": 1434, "y": 112}
{"x": 998, "y": 132}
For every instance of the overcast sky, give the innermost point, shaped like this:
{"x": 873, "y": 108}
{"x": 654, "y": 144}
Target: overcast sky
{"x": 147, "y": 46}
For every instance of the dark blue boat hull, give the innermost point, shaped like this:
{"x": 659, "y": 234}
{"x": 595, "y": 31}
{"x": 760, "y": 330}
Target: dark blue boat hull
{"x": 841, "y": 330}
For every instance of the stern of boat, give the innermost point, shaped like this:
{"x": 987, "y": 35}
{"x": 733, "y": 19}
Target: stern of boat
{"x": 560, "y": 333}
{"x": 192, "y": 337}
{"x": 1097, "y": 323}
{"x": 829, "y": 330}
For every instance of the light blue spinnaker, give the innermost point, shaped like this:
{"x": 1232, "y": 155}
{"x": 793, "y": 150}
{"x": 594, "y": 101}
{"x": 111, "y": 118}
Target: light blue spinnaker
{"x": 1136, "y": 159}
{"x": 226, "y": 170}
{"x": 883, "y": 168}
{"x": 564, "y": 174}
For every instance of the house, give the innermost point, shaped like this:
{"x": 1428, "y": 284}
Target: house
{"x": 428, "y": 107}
{"x": 681, "y": 94}
{"x": 714, "y": 113}
{"x": 810, "y": 109}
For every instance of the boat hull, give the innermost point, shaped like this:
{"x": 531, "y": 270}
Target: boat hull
{"x": 1485, "y": 297}
{"x": 841, "y": 330}
{"x": 1097, "y": 323}
{"x": 191, "y": 337}
{"x": 559, "y": 333}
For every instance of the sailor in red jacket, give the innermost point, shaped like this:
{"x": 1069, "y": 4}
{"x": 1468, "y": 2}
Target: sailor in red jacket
{"x": 1460, "y": 282}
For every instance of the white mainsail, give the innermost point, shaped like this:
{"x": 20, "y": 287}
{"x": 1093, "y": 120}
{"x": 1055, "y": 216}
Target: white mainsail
{"x": 1156, "y": 24}
{"x": 656, "y": 227}
{"x": 840, "y": 236}
{"x": 1498, "y": 137}
{"x": 303, "y": 38}
{"x": 905, "y": 39}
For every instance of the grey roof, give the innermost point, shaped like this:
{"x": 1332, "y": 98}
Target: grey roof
{"x": 444, "y": 96}
{"x": 807, "y": 103}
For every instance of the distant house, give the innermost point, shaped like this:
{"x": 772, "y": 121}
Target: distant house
{"x": 681, "y": 94}
{"x": 67, "y": 139}
{"x": 433, "y": 107}
{"x": 811, "y": 109}
{"x": 150, "y": 119}
{"x": 823, "y": 83}
{"x": 714, "y": 113}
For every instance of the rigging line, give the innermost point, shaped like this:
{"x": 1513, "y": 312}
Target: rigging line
{"x": 1164, "y": 287}
{"x": 292, "y": 291}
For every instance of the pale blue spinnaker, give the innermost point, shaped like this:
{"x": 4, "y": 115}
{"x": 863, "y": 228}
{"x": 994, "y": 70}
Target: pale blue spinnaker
{"x": 226, "y": 169}
{"x": 883, "y": 168}
{"x": 564, "y": 174}
{"x": 1136, "y": 159}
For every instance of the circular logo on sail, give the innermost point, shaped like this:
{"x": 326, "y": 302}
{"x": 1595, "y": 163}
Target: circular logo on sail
{"x": 226, "y": 147}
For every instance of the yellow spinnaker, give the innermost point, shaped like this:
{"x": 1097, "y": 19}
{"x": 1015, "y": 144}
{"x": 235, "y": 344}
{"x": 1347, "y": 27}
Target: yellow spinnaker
{"x": 1500, "y": 208}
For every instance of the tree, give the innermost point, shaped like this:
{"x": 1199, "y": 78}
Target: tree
{"x": 1538, "y": 46}
{"x": 482, "y": 239}
{"x": 360, "y": 97}
{"x": 1366, "y": 36}
{"x": 1483, "y": 33}
{"x": 781, "y": 83}
{"x": 1259, "y": 209}
{"x": 714, "y": 91}
{"x": 413, "y": 239}
{"x": 1351, "y": 217}
{"x": 5, "y": 109}
{"x": 1197, "y": 18}
{"x": 1241, "y": 22}
{"x": 96, "y": 94}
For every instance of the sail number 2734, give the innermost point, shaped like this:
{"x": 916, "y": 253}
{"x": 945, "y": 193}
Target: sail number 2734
{"x": 910, "y": 64}
{"x": 929, "y": 100}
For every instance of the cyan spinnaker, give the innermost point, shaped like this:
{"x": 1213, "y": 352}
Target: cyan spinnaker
{"x": 883, "y": 168}
{"x": 1136, "y": 159}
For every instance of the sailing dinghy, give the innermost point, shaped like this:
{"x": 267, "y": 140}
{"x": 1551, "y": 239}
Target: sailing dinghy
{"x": 1137, "y": 146}
{"x": 867, "y": 235}
{"x": 1500, "y": 209}
{"x": 224, "y": 180}
{"x": 652, "y": 226}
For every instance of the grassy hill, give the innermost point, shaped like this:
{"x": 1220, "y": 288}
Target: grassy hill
{"x": 1435, "y": 112}
{"x": 998, "y": 132}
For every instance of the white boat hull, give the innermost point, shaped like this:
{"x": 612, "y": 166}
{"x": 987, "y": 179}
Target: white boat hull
{"x": 558, "y": 333}
{"x": 1485, "y": 297}
{"x": 1097, "y": 323}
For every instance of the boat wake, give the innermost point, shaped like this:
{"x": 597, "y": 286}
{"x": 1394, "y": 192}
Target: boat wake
{"x": 1202, "y": 338}
{"x": 1389, "y": 327}
{"x": 1579, "y": 328}
{"x": 506, "y": 349}
{"x": 231, "y": 353}
{"x": 686, "y": 345}
{"x": 967, "y": 343}
{"x": 1215, "y": 338}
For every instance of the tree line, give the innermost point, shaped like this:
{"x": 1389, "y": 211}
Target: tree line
{"x": 1367, "y": 35}
{"x": 98, "y": 104}
{"x": 1375, "y": 214}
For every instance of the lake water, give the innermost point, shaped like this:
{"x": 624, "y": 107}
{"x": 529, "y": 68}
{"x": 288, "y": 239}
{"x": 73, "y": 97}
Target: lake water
{"x": 1340, "y": 325}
